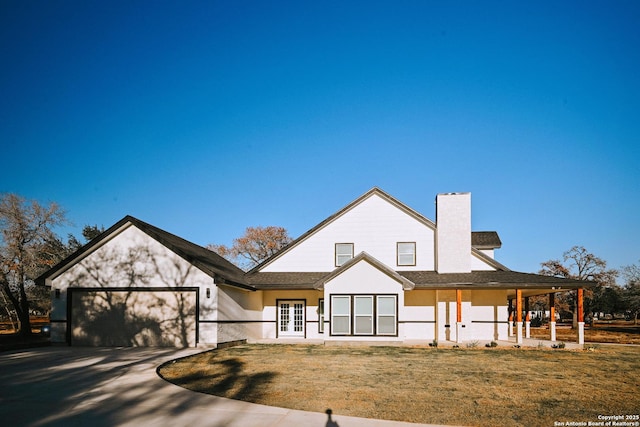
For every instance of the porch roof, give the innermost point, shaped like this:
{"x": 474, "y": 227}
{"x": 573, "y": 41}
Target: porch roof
{"x": 428, "y": 280}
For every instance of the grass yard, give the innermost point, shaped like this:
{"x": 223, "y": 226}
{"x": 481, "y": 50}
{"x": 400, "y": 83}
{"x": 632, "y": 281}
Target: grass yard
{"x": 476, "y": 387}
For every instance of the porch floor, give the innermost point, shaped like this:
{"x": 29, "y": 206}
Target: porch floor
{"x": 511, "y": 342}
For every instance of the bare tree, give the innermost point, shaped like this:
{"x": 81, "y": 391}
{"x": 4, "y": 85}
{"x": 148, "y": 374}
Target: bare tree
{"x": 27, "y": 245}
{"x": 256, "y": 245}
{"x": 578, "y": 263}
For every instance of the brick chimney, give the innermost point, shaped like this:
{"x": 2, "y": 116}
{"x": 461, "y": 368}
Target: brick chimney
{"x": 453, "y": 233}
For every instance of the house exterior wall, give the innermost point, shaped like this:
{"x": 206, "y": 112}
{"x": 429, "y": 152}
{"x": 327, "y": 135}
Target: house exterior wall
{"x": 484, "y": 315}
{"x": 239, "y": 315}
{"x": 489, "y": 315}
{"x": 364, "y": 279}
{"x": 270, "y": 301}
{"x": 374, "y": 226}
{"x": 419, "y": 315}
{"x": 129, "y": 259}
{"x": 478, "y": 265}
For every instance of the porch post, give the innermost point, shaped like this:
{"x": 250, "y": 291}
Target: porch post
{"x": 510, "y": 332}
{"x": 552, "y": 315}
{"x": 518, "y": 316}
{"x": 527, "y": 319}
{"x": 580, "y": 308}
{"x": 459, "y": 324}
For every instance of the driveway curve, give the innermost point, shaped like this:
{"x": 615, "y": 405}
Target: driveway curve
{"x": 75, "y": 386}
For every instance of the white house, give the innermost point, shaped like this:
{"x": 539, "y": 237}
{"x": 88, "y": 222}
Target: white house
{"x": 375, "y": 271}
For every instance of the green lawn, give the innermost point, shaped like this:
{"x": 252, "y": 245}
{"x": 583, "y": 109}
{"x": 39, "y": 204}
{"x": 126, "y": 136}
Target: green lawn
{"x": 499, "y": 387}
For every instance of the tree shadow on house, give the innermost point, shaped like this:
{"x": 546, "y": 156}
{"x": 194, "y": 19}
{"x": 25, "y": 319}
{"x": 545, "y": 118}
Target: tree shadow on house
{"x": 133, "y": 297}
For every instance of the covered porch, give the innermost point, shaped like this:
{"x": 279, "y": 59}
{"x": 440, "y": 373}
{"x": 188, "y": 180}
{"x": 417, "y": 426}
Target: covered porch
{"x": 520, "y": 313}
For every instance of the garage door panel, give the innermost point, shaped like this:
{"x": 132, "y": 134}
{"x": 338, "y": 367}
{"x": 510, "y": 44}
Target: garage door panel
{"x": 165, "y": 318}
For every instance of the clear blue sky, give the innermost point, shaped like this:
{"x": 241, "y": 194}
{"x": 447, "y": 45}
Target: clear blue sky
{"x": 203, "y": 118}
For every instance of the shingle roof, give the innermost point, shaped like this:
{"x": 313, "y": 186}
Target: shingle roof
{"x": 485, "y": 240}
{"x": 285, "y": 280}
{"x": 209, "y": 262}
{"x": 490, "y": 279}
{"x": 428, "y": 280}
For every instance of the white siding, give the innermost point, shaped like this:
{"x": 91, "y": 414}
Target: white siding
{"x": 419, "y": 315}
{"x": 364, "y": 278}
{"x": 479, "y": 265}
{"x": 269, "y": 312}
{"x": 489, "y": 315}
{"x": 374, "y": 226}
{"x": 238, "y": 312}
{"x": 130, "y": 259}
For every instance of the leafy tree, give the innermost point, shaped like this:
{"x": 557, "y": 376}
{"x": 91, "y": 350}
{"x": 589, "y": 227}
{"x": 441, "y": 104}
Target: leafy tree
{"x": 28, "y": 246}
{"x": 578, "y": 263}
{"x": 256, "y": 245}
{"x": 90, "y": 232}
{"x": 631, "y": 290}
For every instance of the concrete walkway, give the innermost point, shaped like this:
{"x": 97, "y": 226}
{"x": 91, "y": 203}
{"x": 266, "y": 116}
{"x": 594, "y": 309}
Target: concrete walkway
{"x": 71, "y": 386}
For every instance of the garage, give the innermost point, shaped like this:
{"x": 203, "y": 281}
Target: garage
{"x": 133, "y": 317}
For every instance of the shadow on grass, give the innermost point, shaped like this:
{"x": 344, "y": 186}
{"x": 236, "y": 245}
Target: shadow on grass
{"x": 229, "y": 380}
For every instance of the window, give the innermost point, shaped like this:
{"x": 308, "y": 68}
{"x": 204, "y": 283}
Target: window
{"x": 321, "y": 316}
{"x": 364, "y": 315}
{"x": 386, "y": 319}
{"x": 340, "y": 315}
{"x": 406, "y": 253}
{"x": 344, "y": 252}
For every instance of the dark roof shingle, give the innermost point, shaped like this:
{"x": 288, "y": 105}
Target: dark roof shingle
{"x": 208, "y": 261}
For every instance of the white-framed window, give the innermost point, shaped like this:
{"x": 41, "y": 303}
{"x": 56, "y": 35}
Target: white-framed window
{"x": 386, "y": 315}
{"x": 406, "y": 253}
{"x": 344, "y": 252}
{"x": 321, "y": 316}
{"x": 340, "y": 315}
{"x": 364, "y": 315}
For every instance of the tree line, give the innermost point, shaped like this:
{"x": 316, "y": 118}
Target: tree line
{"x": 29, "y": 246}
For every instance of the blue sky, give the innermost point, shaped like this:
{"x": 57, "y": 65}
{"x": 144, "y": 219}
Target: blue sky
{"x": 203, "y": 118}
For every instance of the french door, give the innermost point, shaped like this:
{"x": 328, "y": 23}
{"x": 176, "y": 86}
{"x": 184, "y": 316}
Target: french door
{"x": 291, "y": 318}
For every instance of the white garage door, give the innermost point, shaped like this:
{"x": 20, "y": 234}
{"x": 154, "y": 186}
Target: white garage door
{"x": 133, "y": 317}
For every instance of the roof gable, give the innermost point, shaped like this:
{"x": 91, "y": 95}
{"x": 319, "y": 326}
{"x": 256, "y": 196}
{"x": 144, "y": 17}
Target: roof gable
{"x": 365, "y": 257}
{"x": 371, "y": 193}
{"x": 209, "y": 262}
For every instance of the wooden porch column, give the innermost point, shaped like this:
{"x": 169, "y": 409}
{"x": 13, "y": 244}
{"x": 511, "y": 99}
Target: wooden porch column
{"x": 552, "y": 315}
{"x": 518, "y": 316}
{"x": 527, "y": 319}
{"x": 580, "y": 309}
{"x": 459, "y": 325}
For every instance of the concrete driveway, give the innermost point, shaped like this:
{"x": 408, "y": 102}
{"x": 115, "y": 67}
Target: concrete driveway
{"x": 65, "y": 386}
